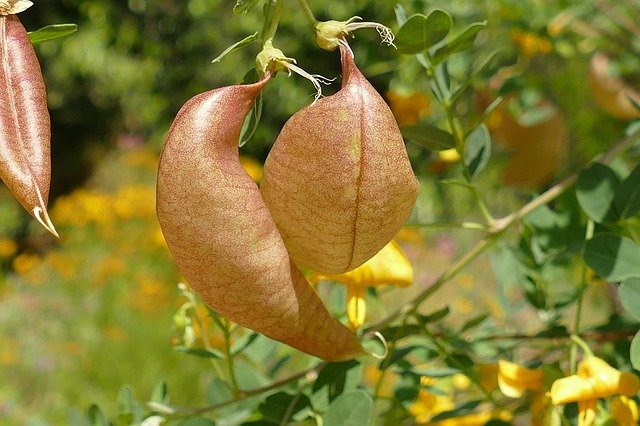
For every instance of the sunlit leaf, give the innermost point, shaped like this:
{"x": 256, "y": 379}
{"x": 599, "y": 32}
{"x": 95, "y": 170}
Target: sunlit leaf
{"x": 629, "y": 295}
{"x": 478, "y": 150}
{"x": 627, "y": 196}
{"x": 595, "y": 189}
{"x": 614, "y": 258}
{"x": 420, "y": 32}
{"x": 333, "y": 380}
{"x": 244, "y": 6}
{"x": 237, "y": 45}
{"x": 635, "y": 351}
{"x": 429, "y": 137}
{"x": 353, "y": 408}
{"x": 460, "y": 42}
{"x": 51, "y": 32}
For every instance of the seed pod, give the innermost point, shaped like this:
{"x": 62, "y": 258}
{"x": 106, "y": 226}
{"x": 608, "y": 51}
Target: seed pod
{"x": 25, "y": 132}
{"x": 222, "y": 236}
{"x": 338, "y": 181}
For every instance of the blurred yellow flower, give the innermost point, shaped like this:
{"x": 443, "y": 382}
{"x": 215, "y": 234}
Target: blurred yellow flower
{"x": 531, "y": 44}
{"x": 514, "y": 379}
{"x": 389, "y": 266}
{"x": 488, "y": 374}
{"x": 624, "y": 411}
{"x": 449, "y": 155}
{"x": 594, "y": 379}
{"x": 8, "y": 248}
{"x": 407, "y": 108}
{"x": 428, "y": 405}
{"x": 475, "y": 419}
{"x": 25, "y": 262}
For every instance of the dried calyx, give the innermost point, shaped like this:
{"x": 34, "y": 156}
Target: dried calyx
{"x": 330, "y": 33}
{"x": 271, "y": 60}
{"x": 11, "y": 7}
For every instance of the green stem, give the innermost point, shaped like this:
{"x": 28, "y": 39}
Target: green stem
{"x": 463, "y": 225}
{"x": 582, "y": 344}
{"x": 497, "y": 230}
{"x": 271, "y": 20}
{"x": 573, "y": 354}
{"x": 308, "y": 13}
{"x": 186, "y": 412}
{"x": 229, "y": 356}
{"x": 205, "y": 341}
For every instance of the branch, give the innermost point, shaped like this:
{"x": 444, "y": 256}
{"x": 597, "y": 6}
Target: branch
{"x": 242, "y": 395}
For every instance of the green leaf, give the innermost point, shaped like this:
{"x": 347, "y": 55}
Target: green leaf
{"x": 218, "y": 391}
{"x": 612, "y": 257}
{"x": 333, "y": 380}
{"x": 253, "y": 118}
{"x": 200, "y": 352}
{"x": 629, "y": 293}
{"x": 478, "y": 150}
{"x": 472, "y": 77}
{"x": 197, "y": 421}
{"x": 474, "y": 322}
{"x": 401, "y": 14}
{"x": 129, "y": 410}
{"x": 96, "y": 417}
{"x": 397, "y": 332}
{"x": 237, "y": 45}
{"x": 429, "y": 137}
{"x": 349, "y": 409}
{"x": 627, "y": 197}
{"x": 635, "y": 351}
{"x": 595, "y": 190}
{"x": 436, "y": 372}
{"x": 420, "y": 32}
{"x": 280, "y": 407}
{"x": 459, "y": 411}
{"x": 243, "y": 343}
{"x": 160, "y": 393}
{"x": 434, "y": 316}
{"x": 460, "y": 42}
{"x": 51, "y": 32}
{"x": 244, "y": 6}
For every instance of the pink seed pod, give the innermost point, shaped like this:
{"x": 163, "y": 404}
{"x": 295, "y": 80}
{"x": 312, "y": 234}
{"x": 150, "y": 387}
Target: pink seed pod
{"x": 25, "y": 129}
{"x": 338, "y": 181}
{"x": 223, "y": 237}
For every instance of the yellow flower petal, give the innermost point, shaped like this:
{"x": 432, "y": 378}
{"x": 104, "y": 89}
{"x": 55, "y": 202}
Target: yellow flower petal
{"x": 356, "y": 307}
{"x": 449, "y": 155}
{"x": 514, "y": 379}
{"x": 389, "y": 266}
{"x": 624, "y": 411}
{"x": 587, "y": 412}
{"x": 594, "y": 379}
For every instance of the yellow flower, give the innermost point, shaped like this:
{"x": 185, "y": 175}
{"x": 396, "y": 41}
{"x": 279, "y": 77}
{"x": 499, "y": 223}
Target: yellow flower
{"x": 407, "y": 109}
{"x": 594, "y": 379}
{"x": 624, "y": 411}
{"x": 389, "y": 266}
{"x": 252, "y": 167}
{"x": 475, "y": 419}
{"x": 449, "y": 155}
{"x": 428, "y": 405}
{"x": 514, "y": 379}
{"x": 7, "y": 248}
{"x": 488, "y": 374}
{"x": 24, "y": 263}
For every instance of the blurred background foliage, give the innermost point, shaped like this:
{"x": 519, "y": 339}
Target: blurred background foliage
{"x": 81, "y": 316}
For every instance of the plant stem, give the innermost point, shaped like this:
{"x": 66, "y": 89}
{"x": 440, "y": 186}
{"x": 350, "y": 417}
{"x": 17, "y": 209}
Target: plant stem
{"x": 205, "y": 341}
{"x": 184, "y": 412}
{"x": 573, "y": 354}
{"x": 229, "y": 356}
{"x": 274, "y": 20}
{"x": 497, "y": 230}
{"x": 308, "y": 13}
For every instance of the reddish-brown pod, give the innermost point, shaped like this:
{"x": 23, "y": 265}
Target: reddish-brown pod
{"x": 222, "y": 236}
{"x": 25, "y": 132}
{"x": 338, "y": 181}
